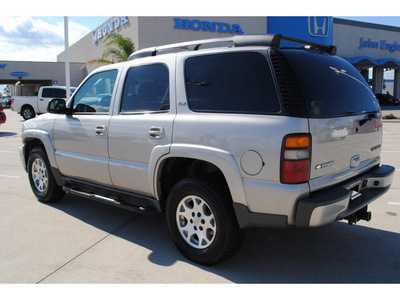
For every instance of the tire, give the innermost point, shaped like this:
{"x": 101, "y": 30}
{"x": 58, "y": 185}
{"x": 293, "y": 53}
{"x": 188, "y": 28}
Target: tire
{"x": 202, "y": 222}
{"x": 27, "y": 112}
{"x": 41, "y": 178}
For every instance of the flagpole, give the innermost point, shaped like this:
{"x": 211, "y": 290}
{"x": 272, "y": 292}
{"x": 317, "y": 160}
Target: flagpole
{"x": 67, "y": 72}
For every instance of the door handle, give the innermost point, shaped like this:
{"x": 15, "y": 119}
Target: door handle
{"x": 156, "y": 132}
{"x": 101, "y": 129}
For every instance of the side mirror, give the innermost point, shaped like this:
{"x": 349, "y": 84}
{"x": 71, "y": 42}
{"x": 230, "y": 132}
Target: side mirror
{"x": 57, "y": 106}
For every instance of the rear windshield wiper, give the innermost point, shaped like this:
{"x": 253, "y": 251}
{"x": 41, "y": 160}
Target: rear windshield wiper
{"x": 367, "y": 118}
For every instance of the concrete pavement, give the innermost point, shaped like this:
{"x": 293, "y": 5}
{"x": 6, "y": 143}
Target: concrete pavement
{"x": 80, "y": 241}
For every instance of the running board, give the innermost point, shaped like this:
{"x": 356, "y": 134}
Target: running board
{"x": 110, "y": 201}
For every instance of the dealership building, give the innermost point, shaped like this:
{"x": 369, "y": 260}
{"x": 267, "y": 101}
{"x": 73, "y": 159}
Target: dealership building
{"x": 372, "y": 48}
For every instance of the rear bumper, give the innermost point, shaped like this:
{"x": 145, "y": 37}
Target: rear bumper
{"x": 336, "y": 203}
{"x": 328, "y": 205}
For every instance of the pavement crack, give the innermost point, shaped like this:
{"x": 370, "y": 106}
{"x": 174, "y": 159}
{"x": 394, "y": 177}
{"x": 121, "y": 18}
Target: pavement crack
{"x": 86, "y": 250}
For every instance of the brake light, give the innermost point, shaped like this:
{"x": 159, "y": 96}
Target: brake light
{"x": 1, "y": 107}
{"x": 12, "y": 100}
{"x": 296, "y": 158}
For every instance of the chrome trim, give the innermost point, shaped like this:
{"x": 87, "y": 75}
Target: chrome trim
{"x": 330, "y": 180}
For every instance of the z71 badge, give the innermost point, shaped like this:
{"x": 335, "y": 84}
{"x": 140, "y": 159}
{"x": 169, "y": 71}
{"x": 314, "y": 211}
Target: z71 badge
{"x": 324, "y": 165}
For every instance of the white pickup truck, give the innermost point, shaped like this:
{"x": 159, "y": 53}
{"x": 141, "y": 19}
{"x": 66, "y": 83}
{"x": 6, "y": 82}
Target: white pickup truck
{"x": 29, "y": 106}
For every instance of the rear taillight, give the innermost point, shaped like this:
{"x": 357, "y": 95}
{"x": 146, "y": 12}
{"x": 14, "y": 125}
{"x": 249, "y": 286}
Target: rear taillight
{"x": 12, "y": 100}
{"x": 1, "y": 107}
{"x": 296, "y": 158}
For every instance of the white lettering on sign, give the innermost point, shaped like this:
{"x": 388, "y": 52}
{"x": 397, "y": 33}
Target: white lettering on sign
{"x": 102, "y": 31}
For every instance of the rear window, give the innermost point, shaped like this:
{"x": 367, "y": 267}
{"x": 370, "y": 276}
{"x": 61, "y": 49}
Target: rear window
{"x": 231, "y": 82}
{"x": 331, "y": 85}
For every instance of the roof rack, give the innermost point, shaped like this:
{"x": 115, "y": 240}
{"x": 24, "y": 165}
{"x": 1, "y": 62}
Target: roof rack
{"x": 271, "y": 40}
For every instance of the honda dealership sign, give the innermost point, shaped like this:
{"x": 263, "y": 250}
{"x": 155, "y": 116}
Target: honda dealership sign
{"x": 314, "y": 29}
{"x": 318, "y": 26}
{"x": 102, "y": 31}
{"x": 198, "y": 25}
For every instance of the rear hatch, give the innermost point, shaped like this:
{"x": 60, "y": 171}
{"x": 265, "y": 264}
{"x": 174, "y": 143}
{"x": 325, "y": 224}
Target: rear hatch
{"x": 344, "y": 116}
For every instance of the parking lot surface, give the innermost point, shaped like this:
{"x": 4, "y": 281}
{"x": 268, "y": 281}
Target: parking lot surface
{"x": 80, "y": 241}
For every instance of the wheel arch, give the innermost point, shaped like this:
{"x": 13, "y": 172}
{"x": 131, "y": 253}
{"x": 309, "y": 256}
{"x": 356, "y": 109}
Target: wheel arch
{"x": 213, "y": 164}
{"x": 37, "y": 138}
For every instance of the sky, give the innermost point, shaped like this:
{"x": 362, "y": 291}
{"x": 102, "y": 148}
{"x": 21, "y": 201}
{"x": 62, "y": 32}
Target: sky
{"x": 37, "y": 34}
{"x": 35, "y": 38}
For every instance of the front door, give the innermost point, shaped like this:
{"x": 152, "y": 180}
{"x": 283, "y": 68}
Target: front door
{"x": 80, "y": 139}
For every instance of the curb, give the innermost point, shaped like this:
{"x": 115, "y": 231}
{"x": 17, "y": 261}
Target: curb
{"x": 391, "y": 120}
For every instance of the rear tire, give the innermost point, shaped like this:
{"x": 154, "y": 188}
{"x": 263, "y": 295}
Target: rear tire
{"x": 41, "y": 179}
{"x": 202, "y": 222}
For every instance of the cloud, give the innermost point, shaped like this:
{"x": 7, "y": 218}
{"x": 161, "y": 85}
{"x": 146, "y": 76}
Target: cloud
{"x": 28, "y": 39}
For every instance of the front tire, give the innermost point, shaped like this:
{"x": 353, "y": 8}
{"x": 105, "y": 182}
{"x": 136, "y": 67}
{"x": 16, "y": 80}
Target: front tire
{"x": 27, "y": 112}
{"x": 41, "y": 179}
{"x": 202, "y": 222}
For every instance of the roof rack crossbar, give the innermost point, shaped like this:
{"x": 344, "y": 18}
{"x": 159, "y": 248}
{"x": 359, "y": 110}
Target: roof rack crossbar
{"x": 271, "y": 40}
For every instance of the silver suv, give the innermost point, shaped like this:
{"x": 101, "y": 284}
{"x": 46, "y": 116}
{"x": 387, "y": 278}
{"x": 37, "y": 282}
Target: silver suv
{"x": 219, "y": 135}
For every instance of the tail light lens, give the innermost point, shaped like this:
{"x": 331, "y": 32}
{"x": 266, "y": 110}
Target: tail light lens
{"x": 296, "y": 158}
{"x": 12, "y": 100}
{"x": 1, "y": 107}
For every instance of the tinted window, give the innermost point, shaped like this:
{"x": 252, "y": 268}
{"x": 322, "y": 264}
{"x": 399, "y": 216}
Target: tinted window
{"x": 146, "y": 89}
{"x": 59, "y": 93}
{"x": 53, "y": 93}
{"x": 94, "y": 96}
{"x": 231, "y": 82}
{"x": 331, "y": 85}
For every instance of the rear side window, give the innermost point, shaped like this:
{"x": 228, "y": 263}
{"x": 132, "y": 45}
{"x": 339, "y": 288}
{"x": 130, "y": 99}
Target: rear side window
{"x": 53, "y": 93}
{"x": 231, "y": 82}
{"x": 331, "y": 86}
{"x": 146, "y": 89}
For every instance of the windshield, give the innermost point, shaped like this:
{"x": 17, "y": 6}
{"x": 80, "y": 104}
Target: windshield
{"x": 331, "y": 85}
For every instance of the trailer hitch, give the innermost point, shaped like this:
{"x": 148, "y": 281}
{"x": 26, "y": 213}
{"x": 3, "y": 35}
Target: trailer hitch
{"x": 362, "y": 214}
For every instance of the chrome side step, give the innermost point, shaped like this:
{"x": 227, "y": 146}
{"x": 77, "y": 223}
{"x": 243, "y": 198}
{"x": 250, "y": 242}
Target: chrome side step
{"x": 107, "y": 200}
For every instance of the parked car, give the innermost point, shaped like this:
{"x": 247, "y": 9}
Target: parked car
{"x": 249, "y": 134}
{"x": 387, "y": 99}
{"x": 3, "y": 117}
{"x": 30, "y": 106}
{"x": 6, "y": 102}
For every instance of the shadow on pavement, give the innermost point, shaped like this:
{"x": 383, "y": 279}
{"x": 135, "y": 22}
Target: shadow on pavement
{"x": 5, "y": 134}
{"x": 337, "y": 253}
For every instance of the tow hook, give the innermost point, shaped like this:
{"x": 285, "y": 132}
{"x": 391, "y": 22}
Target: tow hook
{"x": 361, "y": 214}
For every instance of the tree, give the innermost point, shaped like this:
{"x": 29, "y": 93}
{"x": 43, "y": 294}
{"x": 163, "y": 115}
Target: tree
{"x": 118, "y": 47}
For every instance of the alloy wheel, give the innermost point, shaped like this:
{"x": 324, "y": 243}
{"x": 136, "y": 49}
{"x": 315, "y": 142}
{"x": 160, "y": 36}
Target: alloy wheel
{"x": 196, "y": 222}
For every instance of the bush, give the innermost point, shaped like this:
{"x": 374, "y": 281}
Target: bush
{"x": 391, "y": 116}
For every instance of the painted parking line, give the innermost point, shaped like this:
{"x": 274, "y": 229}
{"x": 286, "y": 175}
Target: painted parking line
{"x": 9, "y": 176}
{"x": 5, "y": 151}
{"x": 393, "y": 203}
{"x": 391, "y": 151}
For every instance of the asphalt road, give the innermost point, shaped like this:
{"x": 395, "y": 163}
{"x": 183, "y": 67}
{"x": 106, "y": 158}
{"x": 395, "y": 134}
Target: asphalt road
{"x": 80, "y": 241}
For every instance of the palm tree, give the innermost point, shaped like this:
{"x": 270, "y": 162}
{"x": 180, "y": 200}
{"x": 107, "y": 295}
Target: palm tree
{"x": 123, "y": 47}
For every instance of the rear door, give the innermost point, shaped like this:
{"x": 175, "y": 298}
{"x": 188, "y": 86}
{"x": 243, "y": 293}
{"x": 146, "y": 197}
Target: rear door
{"x": 141, "y": 127}
{"x": 344, "y": 116}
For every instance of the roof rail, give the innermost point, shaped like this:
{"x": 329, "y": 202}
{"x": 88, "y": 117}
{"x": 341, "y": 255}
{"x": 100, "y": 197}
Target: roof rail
{"x": 271, "y": 40}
